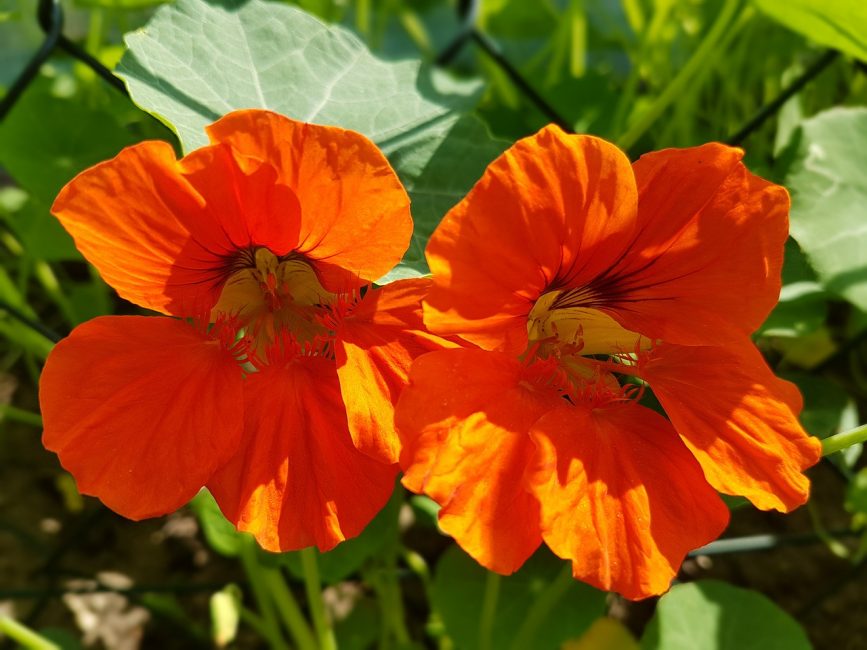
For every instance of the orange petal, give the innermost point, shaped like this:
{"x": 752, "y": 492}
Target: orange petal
{"x": 620, "y": 496}
{"x": 355, "y": 220}
{"x": 705, "y": 266}
{"x": 163, "y": 232}
{"x": 374, "y": 348}
{"x": 298, "y": 481}
{"x": 738, "y": 419}
{"x": 464, "y": 420}
{"x": 554, "y": 209}
{"x": 141, "y": 411}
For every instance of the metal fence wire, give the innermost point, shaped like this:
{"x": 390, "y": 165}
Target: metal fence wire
{"x": 49, "y": 14}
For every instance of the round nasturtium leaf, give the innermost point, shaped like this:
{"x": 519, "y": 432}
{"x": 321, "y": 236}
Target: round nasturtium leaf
{"x": 829, "y": 199}
{"x": 714, "y": 615}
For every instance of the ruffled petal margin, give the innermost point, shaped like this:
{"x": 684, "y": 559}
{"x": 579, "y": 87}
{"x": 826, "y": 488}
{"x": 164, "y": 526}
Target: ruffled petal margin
{"x": 704, "y": 268}
{"x": 141, "y": 411}
{"x": 738, "y": 419}
{"x": 621, "y": 496}
{"x": 355, "y": 219}
{"x": 553, "y": 210}
{"x": 164, "y": 232}
{"x": 464, "y": 420}
{"x": 374, "y": 349}
{"x": 298, "y": 481}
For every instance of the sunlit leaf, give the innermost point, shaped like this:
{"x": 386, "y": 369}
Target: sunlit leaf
{"x": 219, "y": 532}
{"x": 841, "y": 24}
{"x": 829, "y": 199}
{"x": 713, "y": 615}
{"x": 438, "y": 167}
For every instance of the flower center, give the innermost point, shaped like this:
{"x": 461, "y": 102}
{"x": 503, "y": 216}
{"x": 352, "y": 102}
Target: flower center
{"x": 563, "y": 324}
{"x": 275, "y": 295}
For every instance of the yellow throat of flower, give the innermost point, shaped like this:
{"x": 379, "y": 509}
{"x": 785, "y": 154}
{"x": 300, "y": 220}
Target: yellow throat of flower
{"x": 273, "y": 295}
{"x": 562, "y": 325}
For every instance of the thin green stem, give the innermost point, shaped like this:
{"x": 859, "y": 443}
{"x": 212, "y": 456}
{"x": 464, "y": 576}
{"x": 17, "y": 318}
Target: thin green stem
{"x": 835, "y": 546}
{"x": 435, "y": 627}
{"x": 393, "y": 599}
{"x": 26, "y": 637}
{"x": 20, "y": 415}
{"x": 289, "y": 610}
{"x": 489, "y": 611}
{"x": 630, "y": 88}
{"x": 46, "y": 277}
{"x": 700, "y": 58}
{"x": 844, "y": 440}
{"x": 549, "y": 597}
{"x": 321, "y": 621}
{"x": 256, "y": 575}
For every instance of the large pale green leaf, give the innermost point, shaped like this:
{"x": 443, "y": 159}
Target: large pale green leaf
{"x": 841, "y": 24}
{"x": 196, "y": 61}
{"x": 438, "y": 167}
{"x": 713, "y": 615}
{"x": 459, "y": 591}
{"x": 829, "y": 199}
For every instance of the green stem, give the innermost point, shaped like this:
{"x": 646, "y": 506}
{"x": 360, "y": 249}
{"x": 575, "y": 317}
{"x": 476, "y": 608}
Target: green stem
{"x": 289, "y": 611}
{"x": 542, "y": 608}
{"x": 630, "y": 88}
{"x": 26, "y": 637}
{"x": 844, "y": 439}
{"x": 435, "y": 627}
{"x": 700, "y": 58}
{"x": 835, "y": 546}
{"x": 257, "y": 578}
{"x": 321, "y": 621}
{"x": 393, "y": 599}
{"x": 20, "y": 415}
{"x": 489, "y": 611}
{"x": 46, "y": 277}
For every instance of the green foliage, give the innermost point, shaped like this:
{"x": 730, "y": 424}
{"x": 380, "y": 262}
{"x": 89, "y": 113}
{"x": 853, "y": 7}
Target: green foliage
{"x": 48, "y": 138}
{"x": 459, "y": 589}
{"x": 712, "y": 615}
{"x": 335, "y": 565}
{"x": 829, "y": 199}
{"x": 840, "y": 24}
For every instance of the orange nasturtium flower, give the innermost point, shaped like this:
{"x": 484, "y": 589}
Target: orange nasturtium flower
{"x": 571, "y": 268}
{"x": 275, "y": 385}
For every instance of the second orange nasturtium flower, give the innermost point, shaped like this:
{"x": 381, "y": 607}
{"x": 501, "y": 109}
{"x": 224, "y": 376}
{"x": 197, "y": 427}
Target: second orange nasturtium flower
{"x": 581, "y": 277}
{"x": 279, "y": 394}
